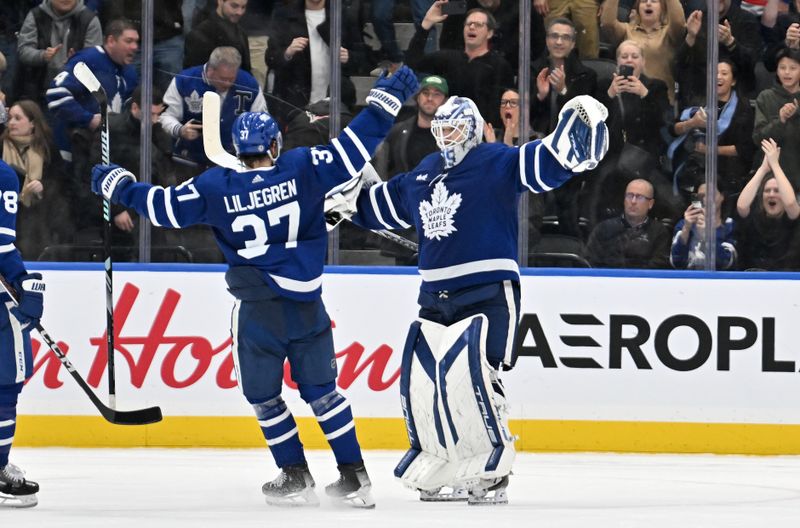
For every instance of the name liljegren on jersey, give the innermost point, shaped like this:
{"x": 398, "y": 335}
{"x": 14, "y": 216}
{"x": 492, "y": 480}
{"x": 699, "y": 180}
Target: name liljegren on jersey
{"x": 261, "y": 197}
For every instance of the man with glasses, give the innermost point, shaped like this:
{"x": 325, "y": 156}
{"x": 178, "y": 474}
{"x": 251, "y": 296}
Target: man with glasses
{"x": 560, "y": 75}
{"x": 584, "y": 15}
{"x": 476, "y": 72}
{"x": 634, "y": 239}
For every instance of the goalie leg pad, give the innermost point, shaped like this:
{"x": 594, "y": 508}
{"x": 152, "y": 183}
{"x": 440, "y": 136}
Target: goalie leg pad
{"x": 452, "y": 414}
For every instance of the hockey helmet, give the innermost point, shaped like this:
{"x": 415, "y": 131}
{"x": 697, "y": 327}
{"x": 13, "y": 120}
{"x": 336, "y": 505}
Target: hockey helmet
{"x": 253, "y": 134}
{"x": 457, "y": 127}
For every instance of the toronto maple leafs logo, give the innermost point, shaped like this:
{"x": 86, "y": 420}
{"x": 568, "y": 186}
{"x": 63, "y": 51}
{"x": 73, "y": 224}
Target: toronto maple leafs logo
{"x": 194, "y": 102}
{"x": 437, "y": 215}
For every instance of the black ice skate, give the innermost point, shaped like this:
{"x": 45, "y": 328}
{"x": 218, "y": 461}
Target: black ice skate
{"x": 293, "y": 487}
{"x": 15, "y": 491}
{"x": 489, "y": 492}
{"x": 444, "y": 494}
{"x": 353, "y": 486}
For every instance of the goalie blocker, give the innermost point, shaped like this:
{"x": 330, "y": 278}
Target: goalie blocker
{"x": 455, "y": 412}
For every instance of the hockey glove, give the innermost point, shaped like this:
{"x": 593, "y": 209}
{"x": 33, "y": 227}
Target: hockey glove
{"x": 109, "y": 180}
{"x": 580, "y": 140}
{"x": 390, "y": 92}
{"x": 29, "y": 309}
{"x": 341, "y": 205}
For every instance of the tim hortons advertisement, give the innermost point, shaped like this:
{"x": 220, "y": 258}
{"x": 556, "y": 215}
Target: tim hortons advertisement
{"x": 591, "y": 348}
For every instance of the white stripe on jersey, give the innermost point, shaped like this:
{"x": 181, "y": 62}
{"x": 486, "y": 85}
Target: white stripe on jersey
{"x": 282, "y": 438}
{"x": 237, "y": 303}
{"x": 8, "y": 231}
{"x": 59, "y": 102}
{"x": 536, "y": 171}
{"x": 6, "y": 423}
{"x": 508, "y": 290}
{"x": 359, "y": 145}
{"x": 296, "y": 285}
{"x": 392, "y": 209}
{"x": 345, "y": 158}
{"x": 342, "y": 430}
{"x": 7, "y": 247}
{"x": 168, "y": 207}
{"x": 468, "y": 268}
{"x": 6, "y": 441}
{"x": 275, "y": 421}
{"x": 374, "y": 201}
{"x": 150, "y": 211}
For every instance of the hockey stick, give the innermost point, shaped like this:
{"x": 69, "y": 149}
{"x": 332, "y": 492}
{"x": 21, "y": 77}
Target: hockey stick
{"x": 90, "y": 82}
{"x": 212, "y": 145}
{"x": 137, "y": 417}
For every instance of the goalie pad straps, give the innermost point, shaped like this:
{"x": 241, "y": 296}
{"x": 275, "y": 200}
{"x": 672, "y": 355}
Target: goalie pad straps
{"x": 280, "y": 431}
{"x": 385, "y": 101}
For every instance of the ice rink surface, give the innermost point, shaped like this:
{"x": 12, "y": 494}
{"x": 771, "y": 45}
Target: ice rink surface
{"x": 151, "y": 488}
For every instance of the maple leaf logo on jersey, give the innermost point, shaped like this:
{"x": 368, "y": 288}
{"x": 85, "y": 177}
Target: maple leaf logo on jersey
{"x": 437, "y": 216}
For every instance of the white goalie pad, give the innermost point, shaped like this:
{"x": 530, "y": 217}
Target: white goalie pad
{"x": 580, "y": 140}
{"x": 457, "y": 424}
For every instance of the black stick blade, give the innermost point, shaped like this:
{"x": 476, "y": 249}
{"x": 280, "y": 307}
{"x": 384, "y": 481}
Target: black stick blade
{"x": 136, "y": 417}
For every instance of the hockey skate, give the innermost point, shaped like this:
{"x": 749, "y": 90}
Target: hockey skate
{"x": 353, "y": 486}
{"x": 444, "y": 494}
{"x": 488, "y": 492}
{"x": 294, "y": 486}
{"x": 15, "y": 491}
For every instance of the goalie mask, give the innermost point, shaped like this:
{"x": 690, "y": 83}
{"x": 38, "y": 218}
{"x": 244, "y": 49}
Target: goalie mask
{"x": 253, "y": 134}
{"x": 457, "y": 127}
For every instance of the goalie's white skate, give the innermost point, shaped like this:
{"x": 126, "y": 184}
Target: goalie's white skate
{"x": 15, "y": 491}
{"x": 488, "y": 492}
{"x": 353, "y": 487}
{"x": 444, "y": 494}
{"x": 294, "y": 486}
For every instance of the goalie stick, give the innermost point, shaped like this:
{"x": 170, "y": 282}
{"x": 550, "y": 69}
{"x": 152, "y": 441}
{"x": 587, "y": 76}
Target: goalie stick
{"x": 212, "y": 144}
{"x": 136, "y": 417}
{"x": 90, "y": 82}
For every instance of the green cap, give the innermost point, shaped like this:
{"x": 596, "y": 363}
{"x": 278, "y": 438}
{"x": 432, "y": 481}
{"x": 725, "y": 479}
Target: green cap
{"x": 435, "y": 81}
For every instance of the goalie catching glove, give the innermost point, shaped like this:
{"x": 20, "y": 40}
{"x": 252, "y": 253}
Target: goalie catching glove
{"x": 109, "y": 180}
{"x": 580, "y": 140}
{"x": 341, "y": 205}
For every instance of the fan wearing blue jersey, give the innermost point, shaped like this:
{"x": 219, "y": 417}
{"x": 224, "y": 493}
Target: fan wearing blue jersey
{"x": 16, "y": 323}
{"x": 268, "y": 221}
{"x": 463, "y": 203}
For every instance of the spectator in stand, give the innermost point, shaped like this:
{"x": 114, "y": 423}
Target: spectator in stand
{"x": 583, "y": 14}
{"x": 739, "y": 42}
{"x": 560, "y": 75}
{"x": 77, "y": 113}
{"x": 506, "y": 35}
{"x": 182, "y": 119}
{"x": 657, "y": 26}
{"x": 51, "y": 34}
{"x": 3, "y": 113}
{"x": 222, "y": 28}
{"x": 381, "y": 13}
{"x": 28, "y": 148}
{"x": 767, "y": 233}
{"x": 167, "y": 33}
{"x": 634, "y": 239}
{"x": 637, "y": 106}
{"x": 12, "y": 14}
{"x": 124, "y": 129}
{"x": 256, "y": 27}
{"x": 688, "y": 243}
{"x": 300, "y": 57}
{"x": 735, "y": 148}
{"x": 780, "y": 30}
{"x": 476, "y": 72}
{"x": 777, "y": 116}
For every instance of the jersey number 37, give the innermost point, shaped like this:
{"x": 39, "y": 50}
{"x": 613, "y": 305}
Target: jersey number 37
{"x": 258, "y": 245}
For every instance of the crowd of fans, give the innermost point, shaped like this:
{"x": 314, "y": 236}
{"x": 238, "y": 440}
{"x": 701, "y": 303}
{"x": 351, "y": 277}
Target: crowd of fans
{"x": 643, "y": 207}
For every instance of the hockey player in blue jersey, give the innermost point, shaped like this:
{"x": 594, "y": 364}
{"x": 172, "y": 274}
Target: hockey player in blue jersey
{"x": 463, "y": 203}
{"x": 16, "y": 323}
{"x": 268, "y": 221}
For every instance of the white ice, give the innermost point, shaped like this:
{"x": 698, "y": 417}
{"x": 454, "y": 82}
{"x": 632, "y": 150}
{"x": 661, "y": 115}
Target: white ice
{"x": 152, "y": 488}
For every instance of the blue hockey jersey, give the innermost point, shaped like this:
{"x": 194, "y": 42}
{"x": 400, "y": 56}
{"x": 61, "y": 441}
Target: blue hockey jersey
{"x": 11, "y": 267}
{"x": 269, "y": 218}
{"x": 466, "y": 217}
{"x": 184, "y": 98}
